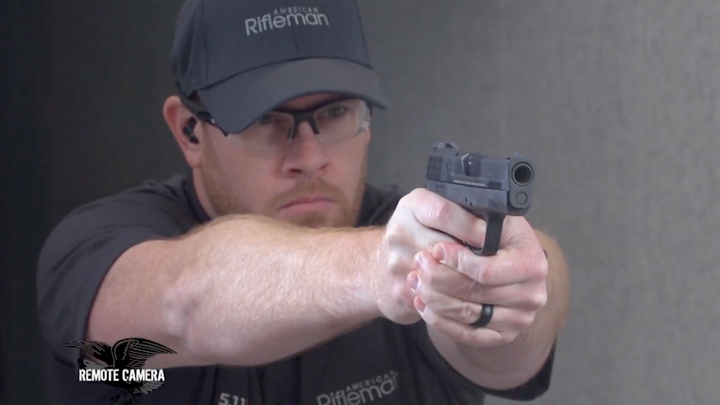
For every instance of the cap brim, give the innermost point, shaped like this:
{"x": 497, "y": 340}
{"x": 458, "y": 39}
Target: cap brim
{"x": 237, "y": 102}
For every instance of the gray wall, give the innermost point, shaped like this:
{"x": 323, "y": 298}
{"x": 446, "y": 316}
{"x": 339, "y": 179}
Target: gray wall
{"x": 616, "y": 100}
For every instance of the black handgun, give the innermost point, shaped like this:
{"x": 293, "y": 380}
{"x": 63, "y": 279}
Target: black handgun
{"x": 490, "y": 187}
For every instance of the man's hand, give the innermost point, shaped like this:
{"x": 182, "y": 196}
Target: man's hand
{"x": 430, "y": 271}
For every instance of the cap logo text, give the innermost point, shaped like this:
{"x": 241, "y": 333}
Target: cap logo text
{"x": 285, "y": 17}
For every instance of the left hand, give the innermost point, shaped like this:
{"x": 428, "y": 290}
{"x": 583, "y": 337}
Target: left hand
{"x": 453, "y": 283}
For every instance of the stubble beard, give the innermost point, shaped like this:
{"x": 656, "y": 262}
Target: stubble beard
{"x": 219, "y": 191}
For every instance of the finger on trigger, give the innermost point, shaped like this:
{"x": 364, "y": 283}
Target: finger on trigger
{"x": 435, "y": 212}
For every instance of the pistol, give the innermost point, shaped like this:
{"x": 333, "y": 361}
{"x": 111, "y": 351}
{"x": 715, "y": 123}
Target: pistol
{"x": 490, "y": 187}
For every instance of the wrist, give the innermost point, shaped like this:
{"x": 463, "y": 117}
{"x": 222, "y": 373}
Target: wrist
{"x": 371, "y": 259}
{"x": 356, "y": 254}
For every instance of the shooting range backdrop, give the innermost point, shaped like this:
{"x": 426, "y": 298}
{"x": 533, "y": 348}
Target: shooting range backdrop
{"x": 616, "y": 100}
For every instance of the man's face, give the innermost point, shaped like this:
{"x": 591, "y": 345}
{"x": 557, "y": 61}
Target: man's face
{"x": 310, "y": 185}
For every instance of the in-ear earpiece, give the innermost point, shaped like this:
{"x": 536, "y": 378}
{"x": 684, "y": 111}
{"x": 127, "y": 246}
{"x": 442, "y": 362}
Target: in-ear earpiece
{"x": 189, "y": 131}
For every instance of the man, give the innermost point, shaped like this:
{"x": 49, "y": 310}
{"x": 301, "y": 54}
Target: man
{"x": 274, "y": 273}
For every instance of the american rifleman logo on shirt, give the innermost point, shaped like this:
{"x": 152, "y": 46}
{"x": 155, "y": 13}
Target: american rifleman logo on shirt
{"x": 285, "y": 17}
{"x": 362, "y": 392}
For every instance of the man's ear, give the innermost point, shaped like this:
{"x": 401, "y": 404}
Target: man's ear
{"x": 183, "y": 125}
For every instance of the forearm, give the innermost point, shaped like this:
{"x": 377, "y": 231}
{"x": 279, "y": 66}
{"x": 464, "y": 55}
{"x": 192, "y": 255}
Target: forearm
{"x": 258, "y": 291}
{"x": 508, "y": 366}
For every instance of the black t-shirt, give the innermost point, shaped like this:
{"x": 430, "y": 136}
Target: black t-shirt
{"x": 380, "y": 363}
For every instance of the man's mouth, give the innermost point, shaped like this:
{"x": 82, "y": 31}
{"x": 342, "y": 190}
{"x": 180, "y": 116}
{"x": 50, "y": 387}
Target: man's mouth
{"x": 308, "y": 201}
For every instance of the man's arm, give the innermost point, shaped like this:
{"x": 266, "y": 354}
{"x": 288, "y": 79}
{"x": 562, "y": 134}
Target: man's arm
{"x": 509, "y": 366}
{"x": 242, "y": 290}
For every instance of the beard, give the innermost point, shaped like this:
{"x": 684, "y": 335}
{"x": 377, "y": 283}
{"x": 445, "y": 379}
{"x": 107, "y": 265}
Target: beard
{"x": 219, "y": 190}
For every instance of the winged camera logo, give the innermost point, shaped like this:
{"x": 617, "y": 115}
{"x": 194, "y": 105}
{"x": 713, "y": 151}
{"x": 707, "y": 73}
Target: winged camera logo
{"x": 124, "y": 365}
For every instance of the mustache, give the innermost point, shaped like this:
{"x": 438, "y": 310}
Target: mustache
{"x": 315, "y": 188}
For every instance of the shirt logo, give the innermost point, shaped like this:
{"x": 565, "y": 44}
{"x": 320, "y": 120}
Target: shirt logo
{"x": 362, "y": 392}
{"x": 285, "y": 17}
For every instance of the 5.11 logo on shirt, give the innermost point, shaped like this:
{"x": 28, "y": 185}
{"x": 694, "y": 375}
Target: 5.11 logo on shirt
{"x": 228, "y": 399}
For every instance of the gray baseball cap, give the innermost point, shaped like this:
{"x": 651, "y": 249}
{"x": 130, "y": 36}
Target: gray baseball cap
{"x": 244, "y": 58}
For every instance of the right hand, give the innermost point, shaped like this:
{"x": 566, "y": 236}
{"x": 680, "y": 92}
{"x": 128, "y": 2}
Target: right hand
{"x": 411, "y": 230}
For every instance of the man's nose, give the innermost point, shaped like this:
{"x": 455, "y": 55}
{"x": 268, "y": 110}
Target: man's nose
{"x": 305, "y": 155}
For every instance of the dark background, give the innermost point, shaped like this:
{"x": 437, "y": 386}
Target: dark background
{"x": 83, "y": 84}
{"x": 616, "y": 100}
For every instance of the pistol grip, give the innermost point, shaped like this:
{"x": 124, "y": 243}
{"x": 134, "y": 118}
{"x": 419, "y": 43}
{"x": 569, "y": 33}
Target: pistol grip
{"x": 493, "y": 232}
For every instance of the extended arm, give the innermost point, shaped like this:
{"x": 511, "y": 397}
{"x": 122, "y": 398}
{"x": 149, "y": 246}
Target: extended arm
{"x": 242, "y": 290}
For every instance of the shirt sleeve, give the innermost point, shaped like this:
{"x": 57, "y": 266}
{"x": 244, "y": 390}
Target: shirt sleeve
{"x": 466, "y": 391}
{"x": 82, "y": 248}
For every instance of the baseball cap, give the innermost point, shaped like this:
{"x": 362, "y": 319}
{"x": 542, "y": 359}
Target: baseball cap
{"x": 244, "y": 58}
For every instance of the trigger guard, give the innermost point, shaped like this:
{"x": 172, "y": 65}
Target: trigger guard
{"x": 493, "y": 232}
{"x": 477, "y": 250}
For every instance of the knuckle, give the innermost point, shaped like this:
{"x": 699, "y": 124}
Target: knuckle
{"x": 526, "y": 320}
{"x": 410, "y": 199}
{"x": 539, "y": 300}
{"x": 394, "y": 235}
{"x": 508, "y": 337}
{"x": 406, "y": 199}
{"x": 542, "y": 269}
{"x": 485, "y": 275}
{"x": 414, "y": 193}
{"x": 394, "y": 261}
{"x": 468, "y": 313}
{"x": 438, "y": 212}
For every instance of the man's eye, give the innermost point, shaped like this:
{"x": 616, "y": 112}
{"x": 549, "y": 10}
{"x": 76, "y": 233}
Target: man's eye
{"x": 334, "y": 112}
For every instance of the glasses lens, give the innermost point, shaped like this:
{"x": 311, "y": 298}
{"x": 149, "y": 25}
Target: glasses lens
{"x": 268, "y": 133}
{"x": 341, "y": 120}
{"x": 338, "y": 121}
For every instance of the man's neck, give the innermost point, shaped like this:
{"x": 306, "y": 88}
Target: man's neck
{"x": 199, "y": 186}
